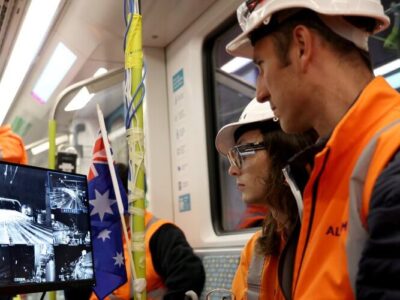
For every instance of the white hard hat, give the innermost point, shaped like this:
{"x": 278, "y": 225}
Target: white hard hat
{"x": 330, "y": 12}
{"x": 254, "y": 112}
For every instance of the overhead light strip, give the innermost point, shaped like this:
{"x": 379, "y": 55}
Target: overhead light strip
{"x": 80, "y": 100}
{"x": 83, "y": 96}
{"x": 57, "y": 67}
{"x": 45, "y": 146}
{"x": 34, "y": 28}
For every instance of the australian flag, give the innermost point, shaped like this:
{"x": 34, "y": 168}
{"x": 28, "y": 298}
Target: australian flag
{"x": 109, "y": 262}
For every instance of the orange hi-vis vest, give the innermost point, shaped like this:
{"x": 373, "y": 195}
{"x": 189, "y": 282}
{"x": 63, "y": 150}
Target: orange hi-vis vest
{"x": 154, "y": 283}
{"x": 12, "y": 147}
{"x": 256, "y": 275}
{"x": 323, "y": 268}
{"x": 155, "y": 286}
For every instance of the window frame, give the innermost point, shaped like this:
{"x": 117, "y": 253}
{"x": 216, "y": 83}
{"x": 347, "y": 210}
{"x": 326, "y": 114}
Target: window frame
{"x": 212, "y": 76}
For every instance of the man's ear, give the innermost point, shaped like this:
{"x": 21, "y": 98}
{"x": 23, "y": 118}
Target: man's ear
{"x": 303, "y": 42}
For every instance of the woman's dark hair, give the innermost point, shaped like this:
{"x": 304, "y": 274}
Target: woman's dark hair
{"x": 280, "y": 147}
{"x": 282, "y": 34}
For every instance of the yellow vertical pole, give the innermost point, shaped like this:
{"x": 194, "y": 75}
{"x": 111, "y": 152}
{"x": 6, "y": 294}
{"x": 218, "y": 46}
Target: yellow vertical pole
{"x": 135, "y": 137}
{"x": 52, "y": 165}
{"x": 52, "y": 144}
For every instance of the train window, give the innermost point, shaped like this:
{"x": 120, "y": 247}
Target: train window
{"x": 384, "y": 47}
{"x": 232, "y": 87}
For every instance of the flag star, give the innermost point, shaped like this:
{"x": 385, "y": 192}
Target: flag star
{"x": 119, "y": 259}
{"x": 105, "y": 234}
{"x": 102, "y": 204}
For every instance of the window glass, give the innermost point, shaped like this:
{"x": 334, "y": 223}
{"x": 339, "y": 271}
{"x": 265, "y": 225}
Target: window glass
{"x": 233, "y": 86}
{"x": 385, "y": 47}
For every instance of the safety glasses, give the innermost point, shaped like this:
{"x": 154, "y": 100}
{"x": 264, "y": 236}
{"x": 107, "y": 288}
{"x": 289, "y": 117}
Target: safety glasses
{"x": 237, "y": 153}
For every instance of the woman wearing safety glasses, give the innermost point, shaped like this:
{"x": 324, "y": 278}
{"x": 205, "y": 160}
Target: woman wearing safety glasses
{"x": 258, "y": 150}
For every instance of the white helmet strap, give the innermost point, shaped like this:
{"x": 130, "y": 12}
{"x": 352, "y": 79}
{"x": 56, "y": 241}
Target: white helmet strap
{"x": 346, "y": 30}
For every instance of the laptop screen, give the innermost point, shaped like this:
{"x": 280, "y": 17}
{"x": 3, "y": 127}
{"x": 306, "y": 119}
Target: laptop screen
{"x": 45, "y": 240}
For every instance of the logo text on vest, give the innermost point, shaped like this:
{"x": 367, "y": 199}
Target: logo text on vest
{"x": 336, "y": 230}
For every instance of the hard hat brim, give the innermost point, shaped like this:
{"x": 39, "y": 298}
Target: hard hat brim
{"x": 241, "y": 45}
{"x": 225, "y": 138}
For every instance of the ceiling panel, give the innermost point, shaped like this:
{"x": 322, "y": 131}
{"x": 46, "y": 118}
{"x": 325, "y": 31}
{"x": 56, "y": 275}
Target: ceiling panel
{"x": 94, "y": 30}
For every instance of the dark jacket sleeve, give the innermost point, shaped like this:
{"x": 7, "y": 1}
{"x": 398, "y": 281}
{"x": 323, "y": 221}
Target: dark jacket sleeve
{"x": 379, "y": 269}
{"x": 174, "y": 260}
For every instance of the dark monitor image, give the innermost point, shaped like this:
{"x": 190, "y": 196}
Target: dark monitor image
{"x": 45, "y": 240}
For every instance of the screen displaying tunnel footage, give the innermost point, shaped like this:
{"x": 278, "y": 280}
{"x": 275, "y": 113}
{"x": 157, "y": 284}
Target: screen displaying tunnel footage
{"x": 44, "y": 227}
{"x": 67, "y": 193}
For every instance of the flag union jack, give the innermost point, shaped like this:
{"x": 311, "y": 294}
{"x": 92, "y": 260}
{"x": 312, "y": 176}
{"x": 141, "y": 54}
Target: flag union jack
{"x": 109, "y": 262}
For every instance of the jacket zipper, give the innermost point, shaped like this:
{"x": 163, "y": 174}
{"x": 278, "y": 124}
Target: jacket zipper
{"x": 313, "y": 204}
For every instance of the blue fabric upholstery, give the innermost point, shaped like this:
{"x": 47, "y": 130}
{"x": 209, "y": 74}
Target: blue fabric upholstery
{"x": 220, "y": 270}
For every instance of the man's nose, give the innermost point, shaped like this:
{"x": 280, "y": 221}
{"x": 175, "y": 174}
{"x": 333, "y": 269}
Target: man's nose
{"x": 262, "y": 91}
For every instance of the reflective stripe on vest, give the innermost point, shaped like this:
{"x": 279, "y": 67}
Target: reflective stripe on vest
{"x": 295, "y": 190}
{"x": 358, "y": 234}
{"x": 254, "y": 276}
{"x": 152, "y": 220}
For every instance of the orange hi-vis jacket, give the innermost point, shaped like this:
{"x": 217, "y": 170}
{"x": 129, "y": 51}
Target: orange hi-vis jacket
{"x": 256, "y": 275}
{"x": 154, "y": 283}
{"x": 155, "y": 286}
{"x": 12, "y": 147}
{"x": 321, "y": 269}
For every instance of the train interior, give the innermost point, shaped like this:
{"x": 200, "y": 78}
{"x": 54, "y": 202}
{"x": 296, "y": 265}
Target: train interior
{"x": 73, "y": 60}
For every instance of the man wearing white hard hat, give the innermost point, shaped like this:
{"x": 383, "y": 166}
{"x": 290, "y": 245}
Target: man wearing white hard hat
{"x": 257, "y": 150}
{"x": 315, "y": 71}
